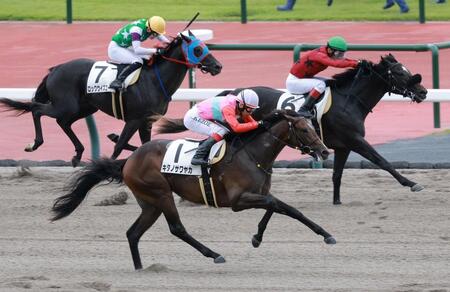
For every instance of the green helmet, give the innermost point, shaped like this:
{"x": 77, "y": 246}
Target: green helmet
{"x": 337, "y": 43}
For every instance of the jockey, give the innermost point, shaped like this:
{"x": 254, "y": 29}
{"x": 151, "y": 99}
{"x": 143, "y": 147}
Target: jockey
{"x": 301, "y": 77}
{"x": 208, "y": 117}
{"x": 125, "y": 46}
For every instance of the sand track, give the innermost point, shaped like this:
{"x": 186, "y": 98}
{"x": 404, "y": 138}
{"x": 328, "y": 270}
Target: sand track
{"x": 389, "y": 239}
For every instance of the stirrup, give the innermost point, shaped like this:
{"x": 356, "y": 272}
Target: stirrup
{"x": 199, "y": 161}
{"x": 305, "y": 113}
{"x": 116, "y": 85}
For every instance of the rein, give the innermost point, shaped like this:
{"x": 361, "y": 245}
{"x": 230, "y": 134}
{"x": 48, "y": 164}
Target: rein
{"x": 305, "y": 148}
{"x": 161, "y": 84}
{"x": 187, "y": 64}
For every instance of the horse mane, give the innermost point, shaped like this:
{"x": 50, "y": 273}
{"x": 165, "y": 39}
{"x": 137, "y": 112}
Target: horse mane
{"x": 343, "y": 78}
{"x": 349, "y": 75}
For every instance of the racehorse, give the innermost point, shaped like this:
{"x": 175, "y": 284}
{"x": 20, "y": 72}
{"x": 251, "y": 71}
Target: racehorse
{"x": 355, "y": 93}
{"x": 242, "y": 179}
{"x": 62, "y": 93}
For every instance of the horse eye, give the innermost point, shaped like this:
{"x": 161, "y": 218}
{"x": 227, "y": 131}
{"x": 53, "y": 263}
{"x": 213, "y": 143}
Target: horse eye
{"x": 198, "y": 51}
{"x": 304, "y": 131}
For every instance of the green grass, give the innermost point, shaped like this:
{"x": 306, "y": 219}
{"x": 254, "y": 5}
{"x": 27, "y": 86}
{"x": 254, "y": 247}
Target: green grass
{"x": 217, "y": 10}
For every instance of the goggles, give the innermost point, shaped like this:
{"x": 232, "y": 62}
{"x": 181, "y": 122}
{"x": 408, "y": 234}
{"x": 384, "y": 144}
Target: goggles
{"x": 338, "y": 54}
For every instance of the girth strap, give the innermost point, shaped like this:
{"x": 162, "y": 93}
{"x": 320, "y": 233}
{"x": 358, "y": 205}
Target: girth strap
{"x": 117, "y": 105}
{"x": 207, "y": 188}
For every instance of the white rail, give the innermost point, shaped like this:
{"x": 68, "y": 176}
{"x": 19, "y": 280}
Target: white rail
{"x": 198, "y": 94}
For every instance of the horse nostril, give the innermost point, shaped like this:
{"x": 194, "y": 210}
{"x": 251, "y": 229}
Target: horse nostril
{"x": 325, "y": 153}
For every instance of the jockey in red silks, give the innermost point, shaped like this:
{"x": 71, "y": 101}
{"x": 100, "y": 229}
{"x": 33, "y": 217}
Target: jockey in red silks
{"x": 301, "y": 77}
{"x": 208, "y": 117}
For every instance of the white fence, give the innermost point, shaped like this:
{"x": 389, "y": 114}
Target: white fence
{"x": 198, "y": 94}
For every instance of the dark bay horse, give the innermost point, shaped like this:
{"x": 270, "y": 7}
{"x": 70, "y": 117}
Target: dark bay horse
{"x": 355, "y": 93}
{"x": 242, "y": 180}
{"x": 62, "y": 93}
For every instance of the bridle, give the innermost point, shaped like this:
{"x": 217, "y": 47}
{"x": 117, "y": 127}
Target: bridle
{"x": 389, "y": 81}
{"x": 304, "y": 147}
{"x": 190, "y": 60}
{"x": 392, "y": 83}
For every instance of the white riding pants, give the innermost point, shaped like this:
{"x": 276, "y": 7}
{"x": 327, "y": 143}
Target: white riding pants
{"x": 304, "y": 85}
{"x": 120, "y": 55}
{"x": 195, "y": 123}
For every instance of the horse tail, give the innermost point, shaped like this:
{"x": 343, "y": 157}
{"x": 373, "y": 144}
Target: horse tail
{"x": 41, "y": 96}
{"x": 166, "y": 125}
{"x": 97, "y": 171}
{"x": 17, "y": 106}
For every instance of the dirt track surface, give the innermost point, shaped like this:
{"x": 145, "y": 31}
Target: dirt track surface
{"x": 389, "y": 239}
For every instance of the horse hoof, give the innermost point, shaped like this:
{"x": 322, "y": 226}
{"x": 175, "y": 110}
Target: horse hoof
{"x": 30, "y": 147}
{"x": 255, "y": 242}
{"x": 219, "y": 260}
{"x": 338, "y": 202}
{"x": 330, "y": 240}
{"x": 75, "y": 161}
{"x": 113, "y": 137}
{"x": 416, "y": 188}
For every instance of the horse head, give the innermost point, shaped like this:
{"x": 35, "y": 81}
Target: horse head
{"x": 192, "y": 52}
{"x": 301, "y": 133}
{"x": 400, "y": 80}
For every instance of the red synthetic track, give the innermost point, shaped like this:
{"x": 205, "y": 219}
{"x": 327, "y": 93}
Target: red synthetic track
{"x": 25, "y": 56}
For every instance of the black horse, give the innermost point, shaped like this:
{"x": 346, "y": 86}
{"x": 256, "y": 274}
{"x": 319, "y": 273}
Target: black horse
{"x": 355, "y": 93}
{"x": 62, "y": 93}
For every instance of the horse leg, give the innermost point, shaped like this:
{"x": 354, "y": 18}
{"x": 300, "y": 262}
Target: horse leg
{"x": 114, "y": 138}
{"x": 177, "y": 229}
{"x": 257, "y": 238}
{"x": 363, "y": 148}
{"x": 37, "y": 111}
{"x": 148, "y": 216}
{"x": 144, "y": 134}
{"x": 145, "y": 131}
{"x": 66, "y": 125}
{"x": 251, "y": 200}
{"x": 128, "y": 131}
{"x": 340, "y": 157}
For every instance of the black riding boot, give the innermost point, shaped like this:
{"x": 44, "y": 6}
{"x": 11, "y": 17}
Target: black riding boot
{"x": 201, "y": 155}
{"x": 118, "y": 83}
{"x": 307, "y": 107}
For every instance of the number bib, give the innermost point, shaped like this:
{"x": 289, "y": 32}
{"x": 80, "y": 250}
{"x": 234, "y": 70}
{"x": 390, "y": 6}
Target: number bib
{"x": 103, "y": 73}
{"x": 289, "y": 101}
{"x": 177, "y": 159}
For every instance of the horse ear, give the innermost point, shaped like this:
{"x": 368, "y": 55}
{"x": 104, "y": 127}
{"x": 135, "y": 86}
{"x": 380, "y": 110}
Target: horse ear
{"x": 190, "y": 33}
{"x": 392, "y": 58}
{"x": 185, "y": 38}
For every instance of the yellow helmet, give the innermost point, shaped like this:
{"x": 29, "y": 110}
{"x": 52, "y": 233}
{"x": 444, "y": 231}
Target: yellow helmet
{"x": 157, "y": 24}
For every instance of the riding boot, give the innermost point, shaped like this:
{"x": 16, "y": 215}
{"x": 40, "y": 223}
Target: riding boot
{"x": 307, "y": 107}
{"x": 201, "y": 155}
{"x": 288, "y": 6}
{"x": 118, "y": 83}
